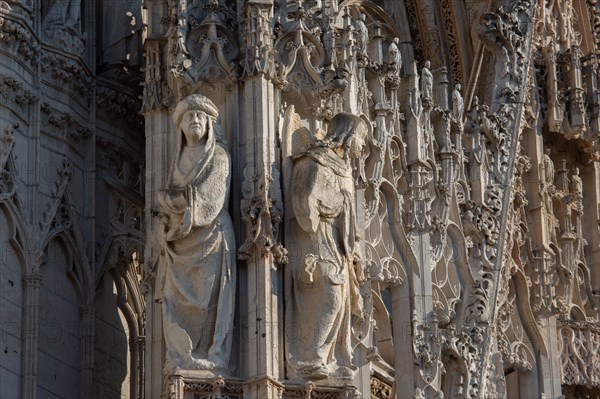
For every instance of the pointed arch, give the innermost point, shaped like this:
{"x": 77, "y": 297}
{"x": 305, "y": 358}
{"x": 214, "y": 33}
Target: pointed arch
{"x": 13, "y": 267}
{"x": 120, "y": 311}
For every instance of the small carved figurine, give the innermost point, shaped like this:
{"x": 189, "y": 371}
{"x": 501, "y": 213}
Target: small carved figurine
{"x": 427, "y": 82}
{"x": 577, "y": 184}
{"x": 362, "y": 33}
{"x": 394, "y": 56}
{"x": 458, "y": 105}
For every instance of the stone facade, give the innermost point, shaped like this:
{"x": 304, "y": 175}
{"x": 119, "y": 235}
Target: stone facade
{"x": 299, "y": 199}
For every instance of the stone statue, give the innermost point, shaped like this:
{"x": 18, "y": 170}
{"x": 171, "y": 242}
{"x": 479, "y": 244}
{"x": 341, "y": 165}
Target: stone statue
{"x": 182, "y": 30}
{"x": 577, "y": 184}
{"x": 458, "y": 105}
{"x": 325, "y": 278}
{"x": 121, "y": 41}
{"x": 394, "y": 56}
{"x": 198, "y": 266}
{"x": 63, "y": 14}
{"x": 427, "y": 81}
{"x": 362, "y": 33}
{"x": 329, "y": 42}
{"x": 549, "y": 191}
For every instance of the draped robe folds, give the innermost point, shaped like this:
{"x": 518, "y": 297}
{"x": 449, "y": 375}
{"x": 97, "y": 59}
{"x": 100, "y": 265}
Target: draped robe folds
{"x": 199, "y": 258}
{"x": 324, "y": 287}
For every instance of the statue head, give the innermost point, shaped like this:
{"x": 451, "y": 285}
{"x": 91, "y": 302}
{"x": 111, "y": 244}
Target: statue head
{"x": 576, "y": 171}
{"x": 348, "y": 132}
{"x": 396, "y": 41}
{"x": 363, "y": 17}
{"x": 457, "y": 86}
{"x": 194, "y": 115}
{"x": 427, "y": 64}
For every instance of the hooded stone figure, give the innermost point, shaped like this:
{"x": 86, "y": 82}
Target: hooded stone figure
{"x": 325, "y": 277}
{"x": 197, "y": 270}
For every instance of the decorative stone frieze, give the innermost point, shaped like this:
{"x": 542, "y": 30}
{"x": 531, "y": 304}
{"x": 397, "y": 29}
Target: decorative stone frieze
{"x": 331, "y": 199}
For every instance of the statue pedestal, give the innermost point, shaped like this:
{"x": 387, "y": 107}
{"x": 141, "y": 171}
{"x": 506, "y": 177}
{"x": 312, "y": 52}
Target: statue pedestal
{"x": 196, "y": 384}
{"x": 192, "y": 384}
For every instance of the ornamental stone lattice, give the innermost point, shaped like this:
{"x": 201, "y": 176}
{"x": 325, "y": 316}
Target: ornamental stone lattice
{"x": 300, "y": 199}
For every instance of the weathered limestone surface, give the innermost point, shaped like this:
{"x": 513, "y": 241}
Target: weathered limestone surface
{"x": 197, "y": 269}
{"x": 299, "y": 199}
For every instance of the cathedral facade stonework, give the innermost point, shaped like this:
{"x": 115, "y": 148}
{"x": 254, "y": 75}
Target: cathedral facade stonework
{"x": 300, "y": 199}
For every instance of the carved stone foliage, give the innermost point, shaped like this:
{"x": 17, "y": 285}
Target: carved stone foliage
{"x": 64, "y": 125}
{"x": 66, "y": 73}
{"x": 439, "y": 208}
{"x": 121, "y": 104}
{"x": 220, "y": 387}
{"x": 380, "y": 389}
{"x": 18, "y": 39}
{"x": 12, "y": 90}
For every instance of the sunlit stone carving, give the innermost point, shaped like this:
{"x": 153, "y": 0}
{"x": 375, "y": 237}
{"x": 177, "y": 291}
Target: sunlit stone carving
{"x": 326, "y": 275}
{"x": 199, "y": 263}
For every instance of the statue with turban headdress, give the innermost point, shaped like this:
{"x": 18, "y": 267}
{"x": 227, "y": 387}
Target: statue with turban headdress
{"x": 197, "y": 271}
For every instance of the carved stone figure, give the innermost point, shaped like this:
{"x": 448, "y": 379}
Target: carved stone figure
{"x": 329, "y": 42}
{"x": 198, "y": 267}
{"x": 549, "y": 190}
{"x": 326, "y": 276}
{"x": 121, "y": 43}
{"x": 394, "y": 56}
{"x": 427, "y": 81}
{"x": 362, "y": 33}
{"x": 577, "y": 184}
{"x": 182, "y": 29}
{"x": 458, "y": 105}
{"x": 62, "y": 14}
